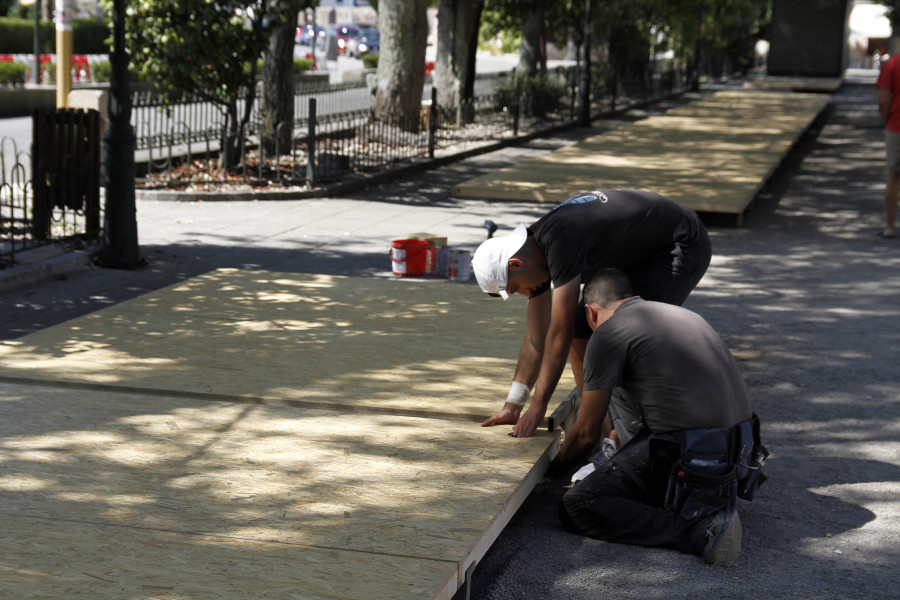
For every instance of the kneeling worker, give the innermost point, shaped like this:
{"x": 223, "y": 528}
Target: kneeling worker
{"x": 675, "y": 483}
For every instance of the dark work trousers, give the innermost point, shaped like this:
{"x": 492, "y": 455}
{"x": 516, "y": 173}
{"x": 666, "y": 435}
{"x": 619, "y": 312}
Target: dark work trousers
{"x": 668, "y": 278}
{"x": 622, "y": 502}
{"x": 671, "y": 278}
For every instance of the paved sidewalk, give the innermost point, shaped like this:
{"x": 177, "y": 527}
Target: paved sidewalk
{"x": 805, "y": 295}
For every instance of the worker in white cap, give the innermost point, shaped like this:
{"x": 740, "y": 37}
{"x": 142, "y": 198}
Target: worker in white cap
{"x": 660, "y": 245}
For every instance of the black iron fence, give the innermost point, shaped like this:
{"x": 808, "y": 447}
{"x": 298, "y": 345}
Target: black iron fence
{"x": 16, "y": 195}
{"x": 334, "y": 135}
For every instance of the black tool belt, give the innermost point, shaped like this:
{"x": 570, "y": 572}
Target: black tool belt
{"x": 715, "y": 468}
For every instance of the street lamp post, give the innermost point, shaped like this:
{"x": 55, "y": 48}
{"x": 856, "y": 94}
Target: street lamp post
{"x": 63, "y": 52}
{"x": 120, "y": 241}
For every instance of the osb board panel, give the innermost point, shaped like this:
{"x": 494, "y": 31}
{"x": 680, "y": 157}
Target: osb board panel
{"x": 784, "y": 82}
{"x": 710, "y": 155}
{"x": 372, "y": 343}
{"x": 53, "y": 560}
{"x": 374, "y": 489}
{"x": 143, "y": 418}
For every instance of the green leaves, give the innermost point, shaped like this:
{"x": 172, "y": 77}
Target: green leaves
{"x": 197, "y": 46}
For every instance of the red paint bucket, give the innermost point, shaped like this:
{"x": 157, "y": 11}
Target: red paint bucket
{"x": 408, "y": 257}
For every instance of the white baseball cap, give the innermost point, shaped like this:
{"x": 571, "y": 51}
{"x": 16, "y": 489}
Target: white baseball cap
{"x": 490, "y": 261}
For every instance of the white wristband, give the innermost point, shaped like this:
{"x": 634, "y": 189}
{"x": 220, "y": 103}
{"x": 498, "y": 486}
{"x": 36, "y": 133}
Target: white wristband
{"x": 518, "y": 393}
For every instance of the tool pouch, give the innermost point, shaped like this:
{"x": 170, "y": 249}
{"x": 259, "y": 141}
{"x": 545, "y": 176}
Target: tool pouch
{"x": 715, "y": 468}
{"x": 704, "y": 480}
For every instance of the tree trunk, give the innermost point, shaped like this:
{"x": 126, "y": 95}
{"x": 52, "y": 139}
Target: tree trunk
{"x": 532, "y": 29}
{"x": 229, "y": 153}
{"x": 278, "y": 81}
{"x": 457, "y": 43}
{"x": 235, "y": 131}
{"x": 401, "y": 63}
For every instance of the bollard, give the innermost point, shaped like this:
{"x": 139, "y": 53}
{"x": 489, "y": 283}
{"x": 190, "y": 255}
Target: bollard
{"x": 517, "y": 101}
{"x": 311, "y": 145}
{"x": 432, "y": 122}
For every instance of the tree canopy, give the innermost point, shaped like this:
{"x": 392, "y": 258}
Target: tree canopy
{"x": 627, "y": 34}
{"x": 202, "y": 47}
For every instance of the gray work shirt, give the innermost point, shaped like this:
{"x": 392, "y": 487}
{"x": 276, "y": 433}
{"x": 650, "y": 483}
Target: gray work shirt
{"x": 677, "y": 371}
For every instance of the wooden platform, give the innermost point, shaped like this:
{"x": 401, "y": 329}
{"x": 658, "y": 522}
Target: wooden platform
{"x": 787, "y": 83}
{"x": 710, "y": 155}
{"x": 265, "y": 435}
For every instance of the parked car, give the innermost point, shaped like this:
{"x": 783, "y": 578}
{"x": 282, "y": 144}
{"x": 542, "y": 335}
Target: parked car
{"x": 344, "y": 34}
{"x": 304, "y": 35}
{"x": 368, "y": 42}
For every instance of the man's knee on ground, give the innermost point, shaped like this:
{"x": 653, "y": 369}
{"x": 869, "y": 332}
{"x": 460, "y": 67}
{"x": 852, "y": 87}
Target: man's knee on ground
{"x": 575, "y": 514}
{"x": 571, "y": 510}
{"x": 567, "y": 522}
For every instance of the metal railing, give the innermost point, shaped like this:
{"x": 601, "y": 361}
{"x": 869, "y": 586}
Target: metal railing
{"x": 334, "y": 134}
{"x": 333, "y": 137}
{"x": 16, "y": 194}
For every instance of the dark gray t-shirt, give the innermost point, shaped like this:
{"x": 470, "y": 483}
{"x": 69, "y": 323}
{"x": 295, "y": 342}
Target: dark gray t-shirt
{"x": 677, "y": 371}
{"x": 624, "y": 229}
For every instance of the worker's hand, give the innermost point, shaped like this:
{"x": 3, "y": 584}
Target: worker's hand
{"x": 528, "y": 423}
{"x": 509, "y": 414}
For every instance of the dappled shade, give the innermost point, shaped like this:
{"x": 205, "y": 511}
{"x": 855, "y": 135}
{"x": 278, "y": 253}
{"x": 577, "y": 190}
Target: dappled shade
{"x": 322, "y": 429}
{"x": 712, "y": 154}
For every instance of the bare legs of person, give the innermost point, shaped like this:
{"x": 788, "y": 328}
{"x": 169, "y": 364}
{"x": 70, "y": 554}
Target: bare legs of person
{"x": 891, "y": 199}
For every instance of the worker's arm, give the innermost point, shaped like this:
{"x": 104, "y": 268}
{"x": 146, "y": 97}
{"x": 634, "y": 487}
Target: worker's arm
{"x": 529, "y": 363}
{"x": 585, "y": 433}
{"x": 556, "y": 353}
{"x": 885, "y": 98}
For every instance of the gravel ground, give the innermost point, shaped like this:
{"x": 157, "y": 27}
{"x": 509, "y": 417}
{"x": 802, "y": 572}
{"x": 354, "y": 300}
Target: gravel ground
{"x": 805, "y": 294}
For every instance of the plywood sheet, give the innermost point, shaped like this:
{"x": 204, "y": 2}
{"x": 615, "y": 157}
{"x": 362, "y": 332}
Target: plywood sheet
{"x": 374, "y": 483}
{"x": 793, "y": 83}
{"x": 133, "y": 462}
{"x": 710, "y": 155}
{"x": 371, "y": 343}
{"x": 53, "y": 560}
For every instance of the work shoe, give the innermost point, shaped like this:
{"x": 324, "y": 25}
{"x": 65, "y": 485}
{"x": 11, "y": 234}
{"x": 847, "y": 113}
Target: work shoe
{"x": 723, "y": 538}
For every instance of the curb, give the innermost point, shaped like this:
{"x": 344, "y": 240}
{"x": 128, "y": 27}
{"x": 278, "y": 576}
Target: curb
{"x": 34, "y": 271}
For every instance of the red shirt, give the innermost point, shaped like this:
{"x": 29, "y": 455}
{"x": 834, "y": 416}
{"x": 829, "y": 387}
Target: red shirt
{"x": 889, "y": 79}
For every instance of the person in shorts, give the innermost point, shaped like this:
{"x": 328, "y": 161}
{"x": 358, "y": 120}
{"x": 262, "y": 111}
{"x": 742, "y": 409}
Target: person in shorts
{"x": 889, "y": 107}
{"x": 661, "y": 246}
